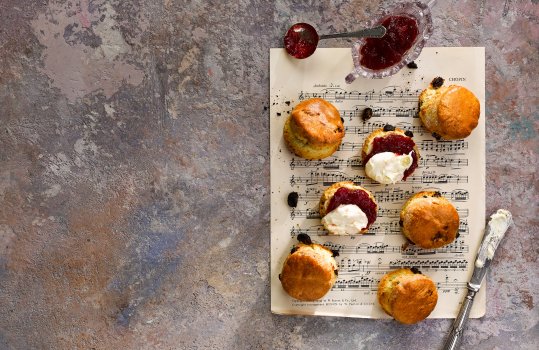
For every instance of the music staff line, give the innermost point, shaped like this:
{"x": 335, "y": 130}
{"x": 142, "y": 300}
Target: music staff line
{"x": 382, "y": 212}
{"x": 381, "y": 112}
{"x": 424, "y": 145}
{"x": 391, "y": 196}
{"x": 387, "y": 94}
{"x": 430, "y": 160}
{"x": 327, "y": 179}
{"x": 377, "y": 229}
{"x": 371, "y": 284}
{"x": 368, "y": 127}
{"x": 382, "y": 248}
{"x": 352, "y": 266}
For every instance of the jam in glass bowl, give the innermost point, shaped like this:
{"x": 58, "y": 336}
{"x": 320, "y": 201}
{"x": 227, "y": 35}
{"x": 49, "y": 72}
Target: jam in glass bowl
{"x": 408, "y": 25}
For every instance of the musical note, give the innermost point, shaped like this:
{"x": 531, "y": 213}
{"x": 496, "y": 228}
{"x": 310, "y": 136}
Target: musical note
{"x": 357, "y": 282}
{"x": 442, "y": 146}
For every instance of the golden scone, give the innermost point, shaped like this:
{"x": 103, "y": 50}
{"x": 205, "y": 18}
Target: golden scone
{"x": 429, "y": 220}
{"x": 407, "y": 296}
{"x": 352, "y": 209}
{"x": 314, "y": 129}
{"x": 449, "y": 112}
{"x": 309, "y": 271}
{"x": 389, "y": 155}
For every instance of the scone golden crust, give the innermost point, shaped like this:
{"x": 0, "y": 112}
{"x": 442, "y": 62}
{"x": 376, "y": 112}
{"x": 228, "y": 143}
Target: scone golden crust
{"x": 314, "y": 129}
{"x": 368, "y": 203}
{"x": 407, "y": 296}
{"x": 429, "y": 220}
{"x": 309, "y": 272}
{"x": 451, "y": 112}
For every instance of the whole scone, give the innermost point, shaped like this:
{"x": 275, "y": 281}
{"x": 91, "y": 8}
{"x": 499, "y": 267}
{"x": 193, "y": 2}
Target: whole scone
{"x": 389, "y": 155}
{"x": 429, "y": 220}
{"x": 314, "y": 129}
{"x": 347, "y": 209}
{"x": 309, "y": 271}
{"x": 449, "y": 112}
{"x": 407, "y": 295}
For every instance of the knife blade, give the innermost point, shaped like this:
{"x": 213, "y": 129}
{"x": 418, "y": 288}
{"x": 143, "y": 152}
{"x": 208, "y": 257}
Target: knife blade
{"x": 494, "y": 232}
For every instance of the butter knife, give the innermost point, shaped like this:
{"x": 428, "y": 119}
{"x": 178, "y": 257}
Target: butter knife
{"x": 494, "y": 232}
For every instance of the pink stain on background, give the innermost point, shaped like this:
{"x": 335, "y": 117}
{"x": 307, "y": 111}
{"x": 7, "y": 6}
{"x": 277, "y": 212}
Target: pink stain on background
{"x": 84, "y": 14}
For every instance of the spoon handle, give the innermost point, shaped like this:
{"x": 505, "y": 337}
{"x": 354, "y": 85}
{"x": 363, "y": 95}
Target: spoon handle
{"x": 376, "y": 32}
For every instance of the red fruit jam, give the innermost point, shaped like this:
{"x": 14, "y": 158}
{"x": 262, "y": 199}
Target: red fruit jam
{"x": 381, "y": 53}
{"x": 397, "y": 144}
{"x": 358, "y": 197}
{"x": 301, "y": 40}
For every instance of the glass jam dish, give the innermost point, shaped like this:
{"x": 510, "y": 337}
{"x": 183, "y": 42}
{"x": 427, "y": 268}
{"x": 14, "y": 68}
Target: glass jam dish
{"x": 408, "y": 25}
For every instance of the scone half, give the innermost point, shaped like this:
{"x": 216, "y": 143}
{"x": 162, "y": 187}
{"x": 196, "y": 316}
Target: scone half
{"x": 449, "y": 112}
{"x": 314, "y": 129}
{"x": 407, "y": 296}
{"x": 429, "y": 220}
{"x": 309, "y": 272}
{"x": 390, "y": 155}
{"x": 347, "y": 209}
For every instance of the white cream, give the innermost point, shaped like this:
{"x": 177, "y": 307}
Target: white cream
{"x": 346, "y": 219}
{"x": 497, "y": 226}
{"x": 388, "y": 167}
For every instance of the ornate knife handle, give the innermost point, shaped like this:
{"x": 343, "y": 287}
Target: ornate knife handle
{"x": 457, "y": 329}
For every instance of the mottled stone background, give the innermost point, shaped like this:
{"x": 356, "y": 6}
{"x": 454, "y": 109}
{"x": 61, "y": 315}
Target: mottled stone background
{"x": 134, "y": 174}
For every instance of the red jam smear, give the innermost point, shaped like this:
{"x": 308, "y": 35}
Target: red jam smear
{"x": 381, "y": 53}
{"x": 397, "y": 144}
{"x": 301, "y": 40}
{"x": 358, "y": 197}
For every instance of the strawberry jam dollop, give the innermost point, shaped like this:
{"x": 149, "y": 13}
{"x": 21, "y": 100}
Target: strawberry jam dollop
{"x": 358, "y": 197}
{"x": 381, "y": 53}
{"x": 398, "y": 144}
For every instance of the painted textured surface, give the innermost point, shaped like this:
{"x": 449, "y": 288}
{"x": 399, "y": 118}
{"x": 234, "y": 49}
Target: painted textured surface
{"x": 134, "y": 174}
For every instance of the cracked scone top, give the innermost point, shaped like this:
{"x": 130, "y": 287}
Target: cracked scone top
{"x": 314, "y": 129}
{"x": 448, "y": 112}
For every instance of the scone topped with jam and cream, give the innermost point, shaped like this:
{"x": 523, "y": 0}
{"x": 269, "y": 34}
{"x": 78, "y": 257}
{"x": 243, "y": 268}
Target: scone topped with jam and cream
{"x": 347, "y": 209}
{"x": 390, "y": 155}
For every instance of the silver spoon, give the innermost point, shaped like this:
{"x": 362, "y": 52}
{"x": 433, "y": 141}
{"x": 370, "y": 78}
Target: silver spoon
{"x": 302, "y": 39}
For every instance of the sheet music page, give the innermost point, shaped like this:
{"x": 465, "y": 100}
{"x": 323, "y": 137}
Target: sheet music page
{"x": 455, "y": 168}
